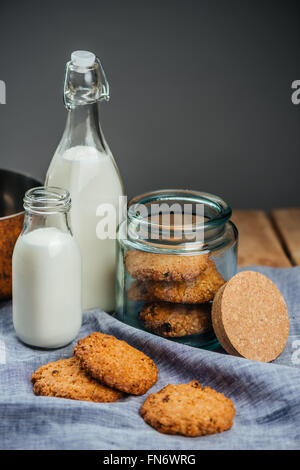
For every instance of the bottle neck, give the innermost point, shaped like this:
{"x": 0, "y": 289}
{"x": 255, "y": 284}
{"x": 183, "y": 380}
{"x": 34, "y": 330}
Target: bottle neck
{"x": 83, "y": 127}
{"x": 46, "y": 207}
{"x": 60, "y": 220}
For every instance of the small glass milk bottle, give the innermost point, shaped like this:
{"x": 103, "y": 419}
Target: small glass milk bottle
{"x": 84, "y": 165}
{"x": 46, "y": 272}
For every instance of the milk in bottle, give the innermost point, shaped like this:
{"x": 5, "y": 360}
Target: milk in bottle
{"x": 84, "y": 165}
{"x": 46, "y": 272}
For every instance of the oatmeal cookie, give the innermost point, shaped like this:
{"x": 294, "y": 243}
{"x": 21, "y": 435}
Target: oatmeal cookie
{"x": 160, "y": 267}
{"x": 65, "y": 379}
{"x": 140, "y": 291}
{"x": 116, "y": 363}
{"x": 175, "y": 320}
{"x": 189, "y": 410}
{"x": 200, "y": 290}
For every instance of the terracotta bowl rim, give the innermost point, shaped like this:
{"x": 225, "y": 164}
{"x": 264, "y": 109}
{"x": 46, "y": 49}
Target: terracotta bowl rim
{"x": 11, "y": 215}
{"x": 21, "y": 173}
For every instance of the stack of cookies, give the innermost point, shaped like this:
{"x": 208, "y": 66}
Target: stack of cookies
{"x": 177, "y": 291}
{"x": 102, "y": 369}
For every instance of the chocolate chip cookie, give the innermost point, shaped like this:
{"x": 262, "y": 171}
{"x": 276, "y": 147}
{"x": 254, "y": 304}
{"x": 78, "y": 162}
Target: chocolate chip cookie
{"x": 200, "y": 290}
{"x": 66, "y": 379}
{"x": 176, "y": 320}
{"x": 160, "y": 267}
{"x": 189, "y": 410}
{"x": 116, "y": 363}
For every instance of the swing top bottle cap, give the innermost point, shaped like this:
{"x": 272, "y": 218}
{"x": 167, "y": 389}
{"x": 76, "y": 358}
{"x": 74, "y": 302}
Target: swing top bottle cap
{"x": 83, "y": 58}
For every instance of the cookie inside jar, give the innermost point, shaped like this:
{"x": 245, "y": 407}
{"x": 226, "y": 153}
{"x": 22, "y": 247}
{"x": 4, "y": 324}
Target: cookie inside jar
{"x": 176, "y": 249}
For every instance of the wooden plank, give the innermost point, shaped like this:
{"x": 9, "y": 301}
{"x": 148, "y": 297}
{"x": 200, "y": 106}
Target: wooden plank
{"x": 287, "y": 222}
{"x": 258, "y": 242}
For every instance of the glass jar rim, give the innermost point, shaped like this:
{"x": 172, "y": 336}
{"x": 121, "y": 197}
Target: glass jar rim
{"x": 47, "y": 200}
{"x": 210, "y": 227}
{"x": 223, "y": 210}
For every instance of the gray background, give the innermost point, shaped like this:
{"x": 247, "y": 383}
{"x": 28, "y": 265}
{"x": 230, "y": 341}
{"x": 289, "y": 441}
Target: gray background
{"x": 201, "y": 91}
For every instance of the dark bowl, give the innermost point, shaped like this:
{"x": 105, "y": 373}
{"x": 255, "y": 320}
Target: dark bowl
{"x": 13, "y": 185}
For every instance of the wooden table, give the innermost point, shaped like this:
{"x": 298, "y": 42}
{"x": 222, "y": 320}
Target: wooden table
{"x": 272, "y": 240}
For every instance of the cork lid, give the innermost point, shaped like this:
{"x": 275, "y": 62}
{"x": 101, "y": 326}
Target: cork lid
{"x": 250, "y": 317}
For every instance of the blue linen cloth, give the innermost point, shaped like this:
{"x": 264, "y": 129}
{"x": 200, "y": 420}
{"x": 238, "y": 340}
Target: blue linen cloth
{"x": 266, "y": 396}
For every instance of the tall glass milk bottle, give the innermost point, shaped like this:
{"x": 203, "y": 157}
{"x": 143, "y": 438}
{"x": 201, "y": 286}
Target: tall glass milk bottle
{"x": 83, "y": 164}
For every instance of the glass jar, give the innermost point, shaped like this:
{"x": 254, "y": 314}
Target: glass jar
{"x": 46, "y": 272}
{"x": 175, "y": 250}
